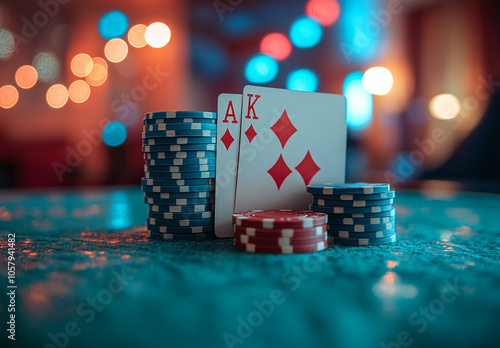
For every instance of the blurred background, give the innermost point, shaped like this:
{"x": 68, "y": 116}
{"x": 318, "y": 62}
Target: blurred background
{"x": 421, "y": 80}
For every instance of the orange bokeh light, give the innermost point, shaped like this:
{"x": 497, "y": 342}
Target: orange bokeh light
{"x": 79, "y": 91}
{"x": 276, "y": 45}
{"x": 158, "y": 34}
{"x": 57, "y": 96}
{"x": 116, "y": 50}
{"x": 26, "y": 76}
{"x": 81, "y": 65}
{"x": 137, "y": 36}
{"x": 99, "y": 72}
{"x": 326, "y": 12}
{"x": 8, "y": 96}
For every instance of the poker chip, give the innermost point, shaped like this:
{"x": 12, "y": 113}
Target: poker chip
{"x": 281, "y": 249}
{"x": 194, "y": 188}
{"x": 362, "y": 235}
{"x": 186, "y": 168}
{"x": 180, "y": 236}
{"x": 178, "y": 126}
{"x": 180, "y": 114}
{"x": 179, "y": 182}
{"x": 362, "y": 241}
{"x": 358, "y": 213}
{"x": 179, "y": 161}
{"x": 175, "y": 229}
{"x": 192, "y": 208}
{"x": 354, "y": 203}
{"x": 179, "y": 175}
{"x": 245, "y": 239}
{"x": 179, "y": 133}
{"x": 174, "y": 195}
{"x": 180, "y": 222}
{"x": 179, "y": 154}
{"x": 178, "y": 201}
{"x": 181, "y": 216}
{"x": 352, "y": 188}
{"x": 176, "y": 148}
{"x": 298, "y": 233}
{"x": 277, "y": 219}
{"x": 156, "y": 142}
{"x": 178, "y": 120}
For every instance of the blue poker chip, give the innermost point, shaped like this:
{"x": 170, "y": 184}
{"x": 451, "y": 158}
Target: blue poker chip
{"x": 180, "y": 223}
{"x": 388, "y": 213}
{"x": 179, "y": 133}
{"x": 333, "y": 219}
{"x": 177, "y": 148}
{"x": 176, "y": 229}
{"x": 180, "y": 154}
{"x": 181, "y": 216}
{"x": 180, "y": 114}
{"x": 147, "y": 121}
{"x": 180, "y": 236}
{"x": 194, "y": 188}
{"x": 193, "y": 208}
{"x": 351, "y": 188}
{"x": 178, "y": 201}
{"x": 351, "y": 210}
{"x": 178, "y": 141}
{"x": 179, "y": 182}
{"x": 361, "y": 228}
{"x": 179, "y": 161}
{"x": 362, "y": 235}
{"x": 362, "y": 241}
{"x": 357, "y": 203}
{"x": 180, "y": 175}
{"x": 178, "y": 126}
{"x": 182, "y": 195}
{"x": 349, "y": 197}
{"x": 175, "y": 169}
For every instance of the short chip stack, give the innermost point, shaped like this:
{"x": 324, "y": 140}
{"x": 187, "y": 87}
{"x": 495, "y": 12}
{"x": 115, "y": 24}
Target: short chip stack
{"x": 280, "y": 231}
{"x": 179, "y": 175}
{"x": 358, "y": 213}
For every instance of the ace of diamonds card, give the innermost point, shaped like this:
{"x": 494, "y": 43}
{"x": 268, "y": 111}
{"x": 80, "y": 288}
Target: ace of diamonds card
{"x": 289, "y": 139}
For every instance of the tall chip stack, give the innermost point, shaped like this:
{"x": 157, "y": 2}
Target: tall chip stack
{"x": 358, "y": 213}
{"x": 280, "y": 231}
{"x": 179, "y": 175}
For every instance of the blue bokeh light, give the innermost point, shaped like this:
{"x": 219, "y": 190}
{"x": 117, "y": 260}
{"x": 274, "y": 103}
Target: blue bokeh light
{"x": 261, "y": 68}
{"x": 359, "y": 101}
{"x": 305, "y": 32}
{"x": 302, "y": 80}
{"x": 113, "y": 24}
{"x": 114, "y": 134}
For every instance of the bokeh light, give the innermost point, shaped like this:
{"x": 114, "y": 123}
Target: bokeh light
{"x": 305, "y": 32}
{"x": 114, "y": 134}
{"x": 47, "y": 66}
{"x": 137, "y": 36}
{"x": 113, "y": 24}
{"x": 79, "y": 91}
{"x": 261, "y": 68}
{"x": 377, "y": 80}
{"x": 57, "y": 96}
{"x": 81, "y": 65}
{"x": 325, "y": 12}
{"x": 7, "y": 44}
{"x": 276, "y": 45}
{"x": 359, "y": 101}
{"x": 8, "y": 96}
{"x": 26, "y": 76}
{"x": 99, "y": 73}
{"x": 444, "y": 106}
{"x": 116, "y": 50}
{"x": 302, "y": 80}
{"x": 157, "y": 34}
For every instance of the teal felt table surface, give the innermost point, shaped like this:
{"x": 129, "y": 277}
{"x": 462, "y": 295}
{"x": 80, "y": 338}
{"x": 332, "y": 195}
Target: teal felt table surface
{"x": 88, "y": 276}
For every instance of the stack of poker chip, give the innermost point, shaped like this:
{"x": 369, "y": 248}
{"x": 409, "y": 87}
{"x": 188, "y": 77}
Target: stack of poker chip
{"x": 358, "y": 213}
{"x": 280, "y": 231}
{"x": 179, "y": 175}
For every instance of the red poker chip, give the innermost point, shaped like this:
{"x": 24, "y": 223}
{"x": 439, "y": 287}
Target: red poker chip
{"x": 277, "y": 219}
{"x": 283, "y": 232}
{"x": 281, "y": 241}
{"x": 286, "y": 249}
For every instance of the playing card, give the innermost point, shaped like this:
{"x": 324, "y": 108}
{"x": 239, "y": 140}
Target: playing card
{"x": 289, "y": 139}
{"x": 228, "y": 142}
